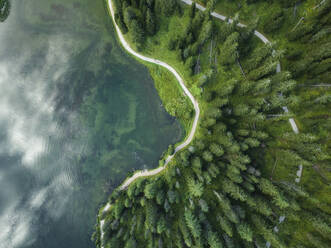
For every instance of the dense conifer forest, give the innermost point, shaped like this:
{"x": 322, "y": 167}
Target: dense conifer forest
{"x": 247, "y": 180}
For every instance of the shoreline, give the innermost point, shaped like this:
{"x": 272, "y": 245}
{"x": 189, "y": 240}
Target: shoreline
{"x": 180, "y": 80}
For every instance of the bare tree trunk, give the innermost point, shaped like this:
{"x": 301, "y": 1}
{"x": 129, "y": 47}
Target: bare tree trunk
{"x": 211, "y": 51}
{"x": 319, "y": 5}
{"x": 273, "y": 169}
{"x": 301, "y": 19}
{"x": 242, "y": 71}
{"x": 315, "y": 85}
{"x": 197, "y": 65}
{"x": 321, "y": 85}
{"x": 318, "y": 170}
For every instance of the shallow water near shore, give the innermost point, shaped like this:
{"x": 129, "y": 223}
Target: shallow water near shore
{"x": 76, "y": 115}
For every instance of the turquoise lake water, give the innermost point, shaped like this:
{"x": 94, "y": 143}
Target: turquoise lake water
{"x": 77, "y": 114}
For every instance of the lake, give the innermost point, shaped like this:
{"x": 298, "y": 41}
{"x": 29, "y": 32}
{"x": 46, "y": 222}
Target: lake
{"x": 77, "y": 114}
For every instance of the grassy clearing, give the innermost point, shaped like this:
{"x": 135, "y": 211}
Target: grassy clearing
{"x": 174, "y": 100}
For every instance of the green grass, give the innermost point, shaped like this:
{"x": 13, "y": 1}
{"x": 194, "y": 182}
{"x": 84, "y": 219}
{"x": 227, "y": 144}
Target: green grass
{"x": 174, "y": 100}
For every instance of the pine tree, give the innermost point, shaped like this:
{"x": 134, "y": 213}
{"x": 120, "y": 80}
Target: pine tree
{"x": 229, "y": 50}
{"x": 167, "y": 7}
{"x": 211, "y": 5}
{"x": 160, "y": 197}
{"x": 203, "y": 205}
{"x": 268, "y": 188}
{"x": 131, "y": 243}
{"x": 137, "y": 33}
{"x": 268, "y": 234}
{"x": 151, "y": 216}
{"x": 161, "y": 225}
{"x": 150, "y": 190}
{"x": 193, "y": 224}
{"x": 252, "y": 142}
{"x": 206, "y": 32}
{"x": 316, "y": 241}
{"x": 208, "y": 156}
{"x": 225, "y": 225}
{"x": 241, "y": 110}
{"x": 192, "y": 10}
{"x": 213, "y": 240}
{"x": 171, "y": 196}
{"x": 185, "y": 232}
{"x": 120, "y": 22}
{"x": 265, "y": 70}
{"x": 118, "y": 208}
{"x": 245, "y": 232}
{"x": 129, "y": 15}
{"x": 234, "y": 190}
{"x": 321, "y": 227}
{"x": 233, "y": 173}
{"x": 150, "y": 22}
{"x": 195, "y": 188}
{"x": 216, "y": 149}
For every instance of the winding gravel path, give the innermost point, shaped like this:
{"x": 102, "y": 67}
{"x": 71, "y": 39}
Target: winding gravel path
{"x": 189, "y": 139}
{"x": 257, "y": 34}
{"x": 180, "y": 80}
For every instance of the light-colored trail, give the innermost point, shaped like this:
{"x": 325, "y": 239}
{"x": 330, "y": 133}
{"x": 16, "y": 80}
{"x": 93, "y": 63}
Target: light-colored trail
{"x": 180, "y": 80}
{"x": 127, "y": 47}
{"x": 257, "y": 34}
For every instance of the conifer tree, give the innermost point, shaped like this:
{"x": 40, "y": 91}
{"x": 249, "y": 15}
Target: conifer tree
{"x": 195, "y": 188}
{"x": 150, "y": 22}
{"x": 213, "y": 240}
{"x": 245, "y": 232}
{"x": 229, "y": 50}
{"x": 193, "y": 224}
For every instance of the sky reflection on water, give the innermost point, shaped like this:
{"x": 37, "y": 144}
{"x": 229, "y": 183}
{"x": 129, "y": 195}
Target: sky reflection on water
{"x": 56, "y": 163}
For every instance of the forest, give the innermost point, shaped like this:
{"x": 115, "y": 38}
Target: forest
{"x": 247, "y": 180}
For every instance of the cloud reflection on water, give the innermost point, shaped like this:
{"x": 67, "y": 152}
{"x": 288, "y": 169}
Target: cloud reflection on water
{"x": 30, "y": 130}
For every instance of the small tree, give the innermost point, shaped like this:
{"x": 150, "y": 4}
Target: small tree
{"x": 195, "y": 188}
{"x": 245, "y": 232}
{"x": 150, "y": 22}
{"x": 208, "y": 156}
{"x": 216, "y": 149}
{"x": 161, "y": 225}
{"x": 150, "y": 190}
{"x": 192, "y": 223}
{"x": 213, "y": 240}
{"x": 229, "y": 50}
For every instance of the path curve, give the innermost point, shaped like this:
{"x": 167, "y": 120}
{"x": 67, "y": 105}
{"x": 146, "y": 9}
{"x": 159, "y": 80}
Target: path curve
{"x": 144, "y": 173}
{"x": 127, "y": 47}
{"x": 180, "y": 80}
{"x": 189, "y": 139}
{"x": 257, "y": 34}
